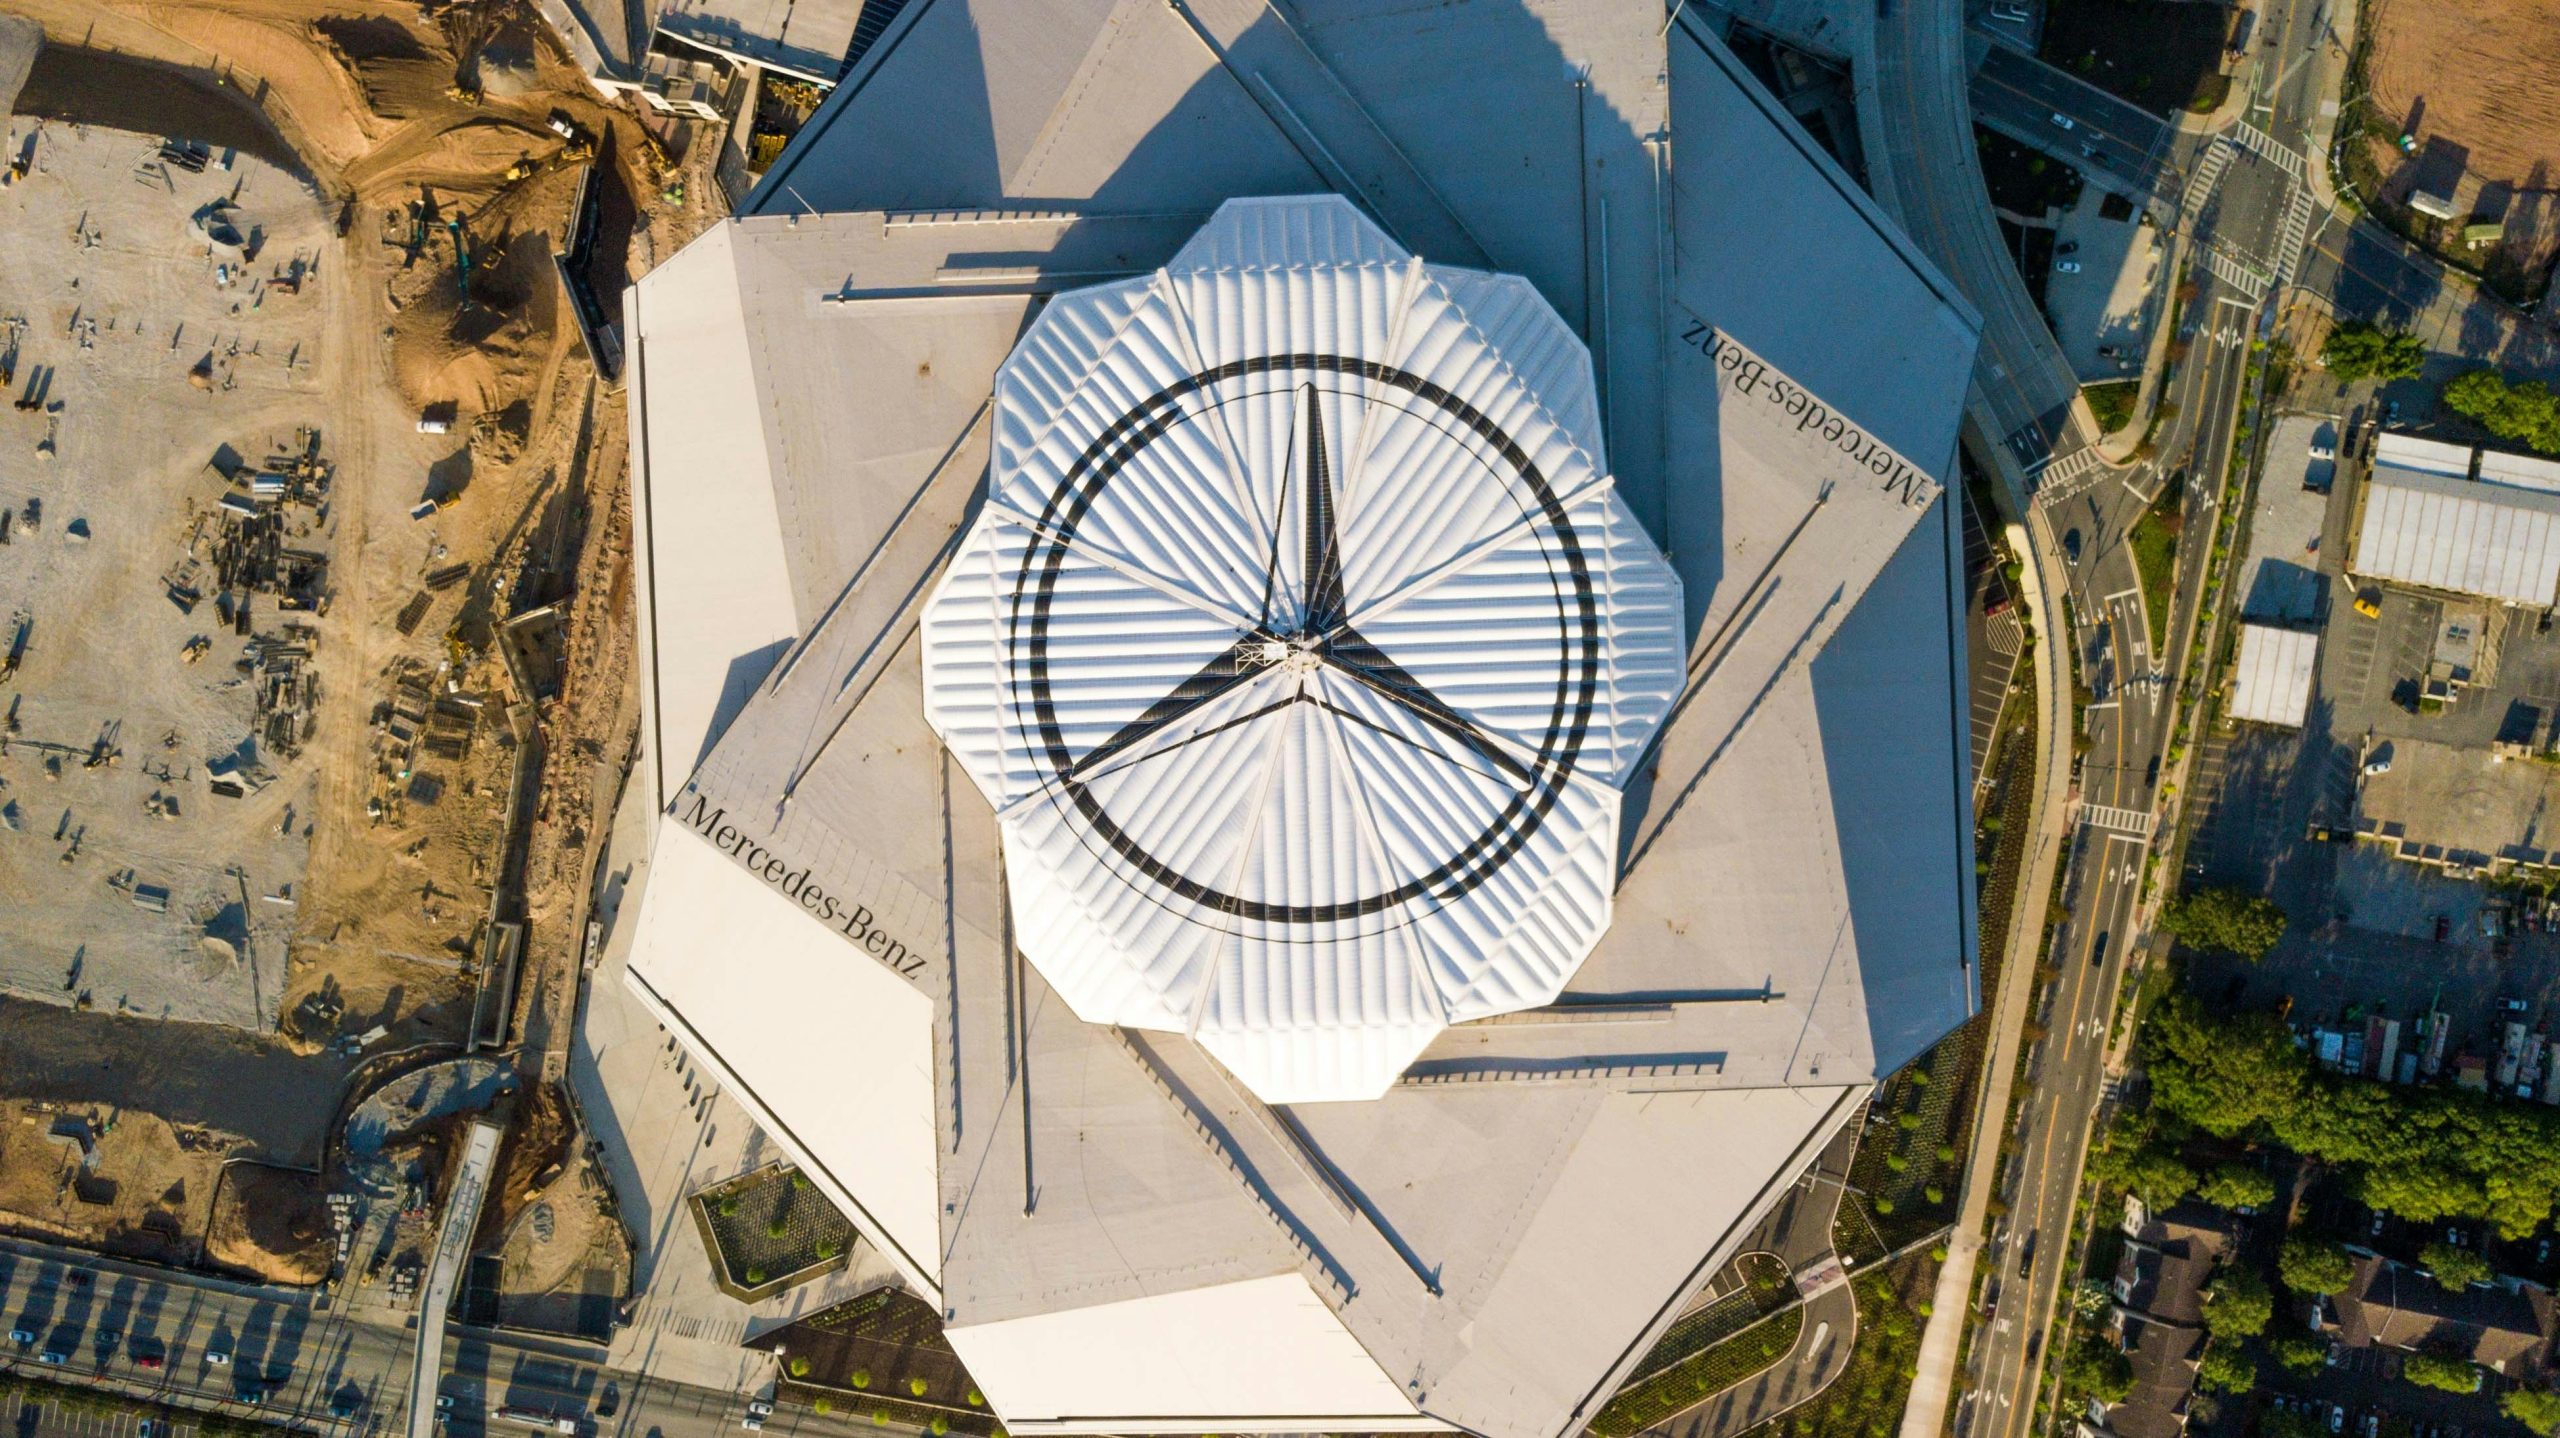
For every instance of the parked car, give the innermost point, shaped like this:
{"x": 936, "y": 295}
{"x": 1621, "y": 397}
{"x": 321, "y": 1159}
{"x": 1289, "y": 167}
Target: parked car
{"x": 2068, "y": 267}
{"x": 148, "y": 1360}
{"x": 2071, "y": 546}
{"x": 216, "y": 1358}
{"x": 21, "y": 1337}
{"x": 2369, "y": 604}
{"x": 2067, "y": 247}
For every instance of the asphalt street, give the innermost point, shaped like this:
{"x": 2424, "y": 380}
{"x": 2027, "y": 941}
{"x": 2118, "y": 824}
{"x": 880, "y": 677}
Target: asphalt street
{"x": 193, "y": 1342}
{"x": 2122, "y": 146}
{"x": 2248, "y": 220}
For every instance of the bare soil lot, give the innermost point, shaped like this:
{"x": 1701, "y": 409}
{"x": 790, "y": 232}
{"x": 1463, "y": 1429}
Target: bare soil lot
{"x": 2477, "y": 84}
{"x": 404, "y": 154}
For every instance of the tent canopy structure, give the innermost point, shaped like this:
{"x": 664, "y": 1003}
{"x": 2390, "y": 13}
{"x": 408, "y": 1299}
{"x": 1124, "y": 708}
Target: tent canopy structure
{"x": 1301, "y": 648}
{"x": 1050, "y": 798}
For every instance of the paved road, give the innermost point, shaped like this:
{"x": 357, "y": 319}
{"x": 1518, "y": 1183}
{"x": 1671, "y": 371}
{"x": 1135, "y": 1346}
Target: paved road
{"x": 306, "y": 1358}
{"x": 2246, "y": 233}
{"x": 2120, "y": 146}
{"x": 1798, "y": 1230}
{"x": 1931, "y": 181}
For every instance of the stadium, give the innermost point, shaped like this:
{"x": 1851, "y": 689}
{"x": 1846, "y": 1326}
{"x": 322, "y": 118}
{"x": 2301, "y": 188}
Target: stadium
{"x": 1304, "y": 686}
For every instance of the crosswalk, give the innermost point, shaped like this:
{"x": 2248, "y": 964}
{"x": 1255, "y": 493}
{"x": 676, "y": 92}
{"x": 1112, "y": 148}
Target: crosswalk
{"x": 2136, "y": 822}
{"x": 2217, "y": 158}
{"x": 2297, "y": 228}
{"x": 2286, "y": 157}
{"x": 2236, "y": 271}
{"x": 2069, "y": 474}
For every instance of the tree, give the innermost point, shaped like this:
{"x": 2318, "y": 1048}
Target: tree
{"x": 2291, "y": 1425}
{"x": 2358, "y": 350}
{"x": 2535, "y": 1408}
{"x": 2455, "y": 1268}
{"x": 2225, "y": 1369}
{"x": 2298, "y": 1352}
{"x": 2435, "y": 1370}
{"x": 2148, "y": 1171}
{"x": 2226, "y": 920}
{"x": 2222, "y": 1075}
{"x": 2313, "y": 1265}
{"x": 2099, "y": 1369}
{"x": 2526, "y": 411}
{"x": 2369, "y": 351}
{"x": 2421, "y": 1189}
{"x": 2237, "y": 1185}
{"x": 2239, "y": 1305}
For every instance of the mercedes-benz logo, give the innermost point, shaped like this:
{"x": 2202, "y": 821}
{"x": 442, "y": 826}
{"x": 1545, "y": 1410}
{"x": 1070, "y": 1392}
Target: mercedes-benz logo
{"x": 1307, "y": 639}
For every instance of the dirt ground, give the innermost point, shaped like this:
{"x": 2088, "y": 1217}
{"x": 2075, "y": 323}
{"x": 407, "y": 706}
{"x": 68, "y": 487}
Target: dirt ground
{"x": 273, "y": 1223}
{"x": 412, "y": 734}
{"x": 2477, "y": 83}
{"x": 144, "y": 1189}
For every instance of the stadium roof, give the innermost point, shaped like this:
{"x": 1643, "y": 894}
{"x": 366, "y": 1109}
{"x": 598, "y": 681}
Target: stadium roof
{"x": 2441, "y": 532}
{"x": 2272, "y": 682}
{"x": 834, "y": 913}
{"x": 1301, "y": 647}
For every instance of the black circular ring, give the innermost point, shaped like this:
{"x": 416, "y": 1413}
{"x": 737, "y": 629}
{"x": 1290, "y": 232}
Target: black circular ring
{"x": 1577, "y": 684}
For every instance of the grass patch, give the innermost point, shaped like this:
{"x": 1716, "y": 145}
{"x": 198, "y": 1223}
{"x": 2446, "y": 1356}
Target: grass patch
{"x": 2160, "y": 54}
{"x": 2112, "y": 403}
{"x": 2155, "y": 559}
{"x": 1701, "y": 1376}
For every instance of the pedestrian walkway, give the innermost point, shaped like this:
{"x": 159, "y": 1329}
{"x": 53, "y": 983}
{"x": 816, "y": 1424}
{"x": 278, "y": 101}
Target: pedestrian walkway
{"x": 2237, "y": 271}
{"x": 2070, "y": 474}
{"x": 2297, "y": 228}
{"x": 2259, "y": 141}
{"x": 2136, "y": 822}
{"x": 2217, "y": 158}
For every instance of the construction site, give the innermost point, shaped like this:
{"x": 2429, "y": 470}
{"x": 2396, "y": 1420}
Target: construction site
{"x": 314, "y": 576}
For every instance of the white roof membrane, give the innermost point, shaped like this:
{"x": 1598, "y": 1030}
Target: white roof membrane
{"x": 2520, "y": 471}
{"x": 2427, "y": 456}
{"x": 1302, "y": 646}
{"x": 2439, "y": 532}
{"x": 2271, "y": 684}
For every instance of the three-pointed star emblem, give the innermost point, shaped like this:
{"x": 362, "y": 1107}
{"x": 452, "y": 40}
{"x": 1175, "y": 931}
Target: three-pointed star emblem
{"x": 1305, "y": 630}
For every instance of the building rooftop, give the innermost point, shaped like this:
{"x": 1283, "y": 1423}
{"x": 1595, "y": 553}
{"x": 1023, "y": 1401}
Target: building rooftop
{"x": 2271, "y": 683}
{"x": 2437, "y": 531}
{"x": 840, "y": 903}
{"x": 2506, "y": 1326}
{"x": 2167, "y": 1263}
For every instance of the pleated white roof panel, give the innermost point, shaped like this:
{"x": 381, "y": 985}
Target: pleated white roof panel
{"x": 1303, "y": 646}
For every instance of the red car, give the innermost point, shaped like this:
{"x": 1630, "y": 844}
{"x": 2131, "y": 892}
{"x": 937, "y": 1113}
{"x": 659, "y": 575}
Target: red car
{"x": 148, "y": 1360}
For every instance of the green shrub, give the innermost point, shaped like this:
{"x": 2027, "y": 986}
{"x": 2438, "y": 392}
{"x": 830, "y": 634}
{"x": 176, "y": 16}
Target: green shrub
{"x": 2535, "y": 1408}
{"x": 755, "y": 1275}
{"x": 822, "y": 1404}
{"x": 799, "y": 1367}
{"x": 2435, "y": 1370}
{"x": 862, "y": 1378}
{"x": 917, "y": 1386}
{"x": 975, "y": 1399}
